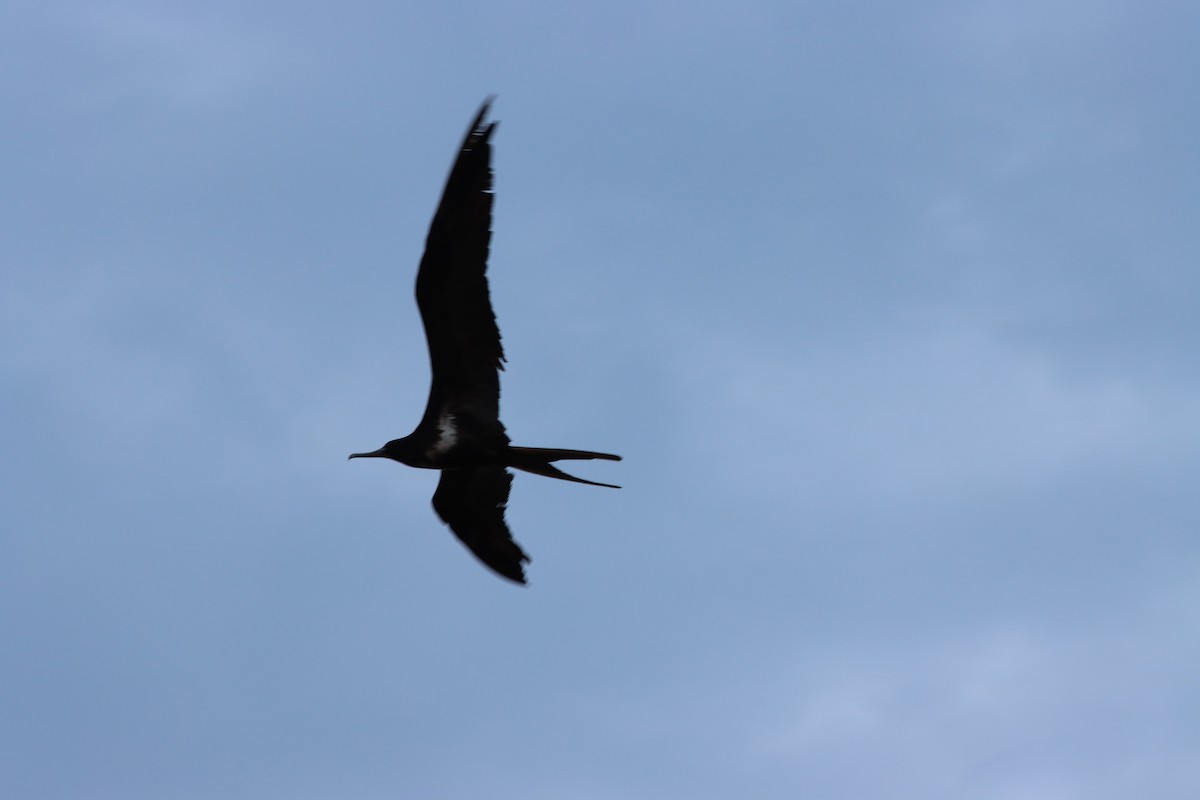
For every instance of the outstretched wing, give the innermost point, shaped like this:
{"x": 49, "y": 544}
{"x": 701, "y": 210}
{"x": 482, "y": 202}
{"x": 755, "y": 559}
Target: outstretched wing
{"x": 452, "y": 287}
{"x": 472, "y": 503}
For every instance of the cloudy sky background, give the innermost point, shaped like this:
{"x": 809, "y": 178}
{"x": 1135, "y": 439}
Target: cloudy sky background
{"x": 891, "y": 309}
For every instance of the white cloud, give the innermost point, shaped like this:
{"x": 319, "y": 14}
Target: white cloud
{"x": 944, "y": 410}
{"x": 1012, "y": 712}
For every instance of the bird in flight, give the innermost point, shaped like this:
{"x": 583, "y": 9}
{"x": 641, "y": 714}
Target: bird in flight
{"x": 461, "y": 433}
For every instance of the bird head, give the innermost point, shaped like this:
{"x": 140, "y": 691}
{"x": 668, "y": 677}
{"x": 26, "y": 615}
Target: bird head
{"x": 396, "y": 450}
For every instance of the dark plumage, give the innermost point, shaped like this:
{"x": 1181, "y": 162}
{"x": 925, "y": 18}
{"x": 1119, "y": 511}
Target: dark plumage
{"x": 461, "y": 433}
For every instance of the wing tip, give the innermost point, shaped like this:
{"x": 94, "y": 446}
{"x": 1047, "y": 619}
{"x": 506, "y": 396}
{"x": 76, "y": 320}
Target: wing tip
{"x": 480, "y": 132}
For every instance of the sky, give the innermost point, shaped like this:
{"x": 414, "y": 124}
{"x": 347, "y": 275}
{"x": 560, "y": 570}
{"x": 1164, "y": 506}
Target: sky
{"x": 889, "y": 307}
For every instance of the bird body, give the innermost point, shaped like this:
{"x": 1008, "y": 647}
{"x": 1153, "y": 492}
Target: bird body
{"x": 460, "y": 432}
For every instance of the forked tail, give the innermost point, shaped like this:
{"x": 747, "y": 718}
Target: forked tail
{"x": 537, "y": 460}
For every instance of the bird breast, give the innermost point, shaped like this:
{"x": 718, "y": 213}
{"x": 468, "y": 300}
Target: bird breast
{"x": 447, "y": 437}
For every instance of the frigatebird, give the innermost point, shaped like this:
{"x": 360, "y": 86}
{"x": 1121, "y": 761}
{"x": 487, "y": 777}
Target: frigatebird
{"x": 461, "y": 433}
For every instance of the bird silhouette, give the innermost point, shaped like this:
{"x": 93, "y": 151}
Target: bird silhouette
{"x": 461, "y": 433}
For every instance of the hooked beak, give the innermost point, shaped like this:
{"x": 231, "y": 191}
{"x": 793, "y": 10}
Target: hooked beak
{"x": 373, "y": 454}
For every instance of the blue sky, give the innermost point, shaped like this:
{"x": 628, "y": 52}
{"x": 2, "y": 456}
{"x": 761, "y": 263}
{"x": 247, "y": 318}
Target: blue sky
{"x": 889, "y": 307}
